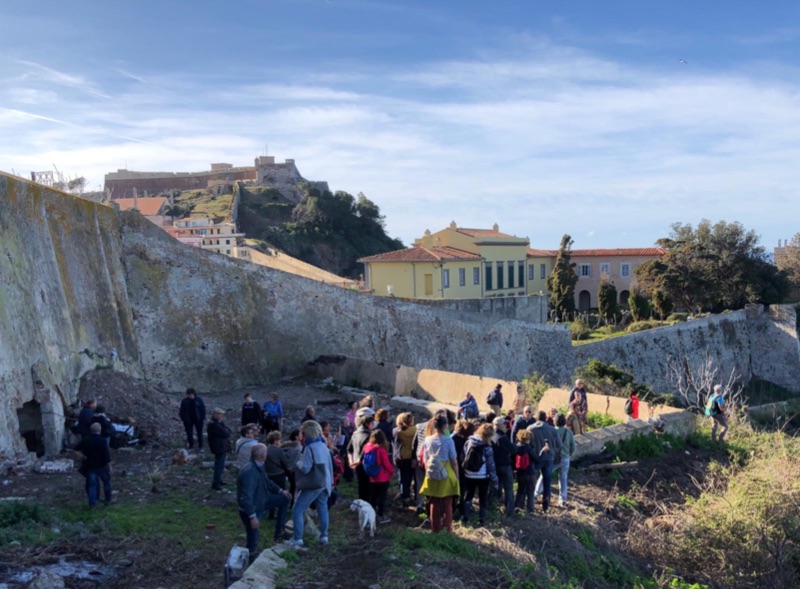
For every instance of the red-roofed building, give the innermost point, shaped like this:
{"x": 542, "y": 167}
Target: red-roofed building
{"x": 454, "y": 263}
{"x": 617, "y": 264}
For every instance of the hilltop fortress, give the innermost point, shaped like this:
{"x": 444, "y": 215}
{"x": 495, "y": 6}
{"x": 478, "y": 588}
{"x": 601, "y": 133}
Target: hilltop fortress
{"x": 87, "y": 287}
{"x": 285, "y": 178}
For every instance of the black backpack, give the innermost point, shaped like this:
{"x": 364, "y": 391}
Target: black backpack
{"x": 474, "y": 459}
{"x": 629, "y": 407}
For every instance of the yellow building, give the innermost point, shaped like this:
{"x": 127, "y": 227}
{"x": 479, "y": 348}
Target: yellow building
{"x": 459, "y": 263}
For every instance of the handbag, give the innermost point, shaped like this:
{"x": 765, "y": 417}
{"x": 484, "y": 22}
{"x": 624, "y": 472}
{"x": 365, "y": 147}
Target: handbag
{"x": 314, "y": 478}
{"x": 557, "y": 459}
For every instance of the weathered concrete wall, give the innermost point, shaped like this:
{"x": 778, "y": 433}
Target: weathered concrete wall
{"x": 725, "y": 338}
{"x": 613, "y": 406}
{"x": 217, "y": 322}
{"x": 775, "y": 347}
{"x": 63, "y": 303}
{"x": 532, "y": 309}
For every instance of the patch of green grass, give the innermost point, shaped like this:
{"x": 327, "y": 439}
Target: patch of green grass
{"x": 599, "y": 420}
{"x": 641, "y": 446}
{"x": 447, "y": 544}
{"x": 586, "y": 538}
{"x": 627, "y": 502}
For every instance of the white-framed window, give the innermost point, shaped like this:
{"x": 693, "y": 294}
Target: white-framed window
{"x": 584, "y": 270}
{"x": 462, "y": 277}
{"x": 605, "y": 268}
{"x": 445, "y": 278}
{"x": 625, "y": 270}
{"x": 542, "y": 271}
{"x": 530, "y": 271}
{"x": 476, "y": 276}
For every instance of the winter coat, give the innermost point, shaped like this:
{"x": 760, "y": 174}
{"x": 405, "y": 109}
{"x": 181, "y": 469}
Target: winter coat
{"x": 387, "y": 470}
{"x": 503, "y": 450}
{"x": 487, "y": 470}
{"x": 251, "y": 413}
{"x": 520, "y": 424}
{"x": 314, "y": 453}
{"x": 356, "y": 446}
{"x": 218, "y": 437}
{"x": 403, "y": 447}
{"x": 543, "y": 433}
{"x": 192, "y": 410}
{"x": 253, "y": 489}
{"x": 244, "y": 448}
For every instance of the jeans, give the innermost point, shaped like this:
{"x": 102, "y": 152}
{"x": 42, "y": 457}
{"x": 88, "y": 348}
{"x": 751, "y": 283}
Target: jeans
{"x": 219, "y": 467}
{"x": 319, "y": 497}
{"x": 190, "y": 428}
{"x": 278, "y": 502}
{"x": 563, "y": 472}
{"x": 482, "y": 487}
{"x": 506, "y": 476}
{"x": 93, "y": 479}
{"x": 545, "y": 468}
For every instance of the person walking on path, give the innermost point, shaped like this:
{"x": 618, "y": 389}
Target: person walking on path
{"x": 96, "y": 466}
{"x": 495, "y": 399}
{"x": 440, "y": 465}
{"x": 715, "y": 409}
{"x": 219, "y": 436}
{"x": 314, "y": 479}
{"x": 255, "y": 494}
{"x": 193, "y": 416}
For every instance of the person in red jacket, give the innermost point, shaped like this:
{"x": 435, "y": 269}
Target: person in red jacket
{"x": 379, "y": 483}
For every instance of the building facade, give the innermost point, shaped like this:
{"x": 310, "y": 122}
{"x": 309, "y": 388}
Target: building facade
{"x": 221, "y": 238}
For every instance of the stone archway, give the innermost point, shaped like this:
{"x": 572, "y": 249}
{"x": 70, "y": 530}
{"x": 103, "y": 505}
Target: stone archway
{"x": 623, "y": 298}
{"x": 31, "y": 427}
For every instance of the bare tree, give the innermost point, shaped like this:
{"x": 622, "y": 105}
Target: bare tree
{"x": 693, "y": 381}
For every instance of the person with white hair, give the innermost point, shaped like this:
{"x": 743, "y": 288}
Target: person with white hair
{"x": 715, "y": 409}
{"x": 314, "y": 479}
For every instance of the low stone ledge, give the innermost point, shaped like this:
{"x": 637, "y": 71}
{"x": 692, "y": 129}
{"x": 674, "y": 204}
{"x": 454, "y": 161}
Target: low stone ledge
{"x": 263, "y": 573}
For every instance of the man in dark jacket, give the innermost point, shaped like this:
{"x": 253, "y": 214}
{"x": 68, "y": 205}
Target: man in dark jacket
{"x": 251, "y": 410}
{"x": 504, "y": 452}
{"x": 546, "y": 446}
{"x": 96, "y": 465}
{"x": 256, "y": 494}
{"x": 495, "y": 400}
{"x": 219, "y": 444}
{"x": 193, "y": 416}
{"x": 106, "y": 427}
{"x": 86, "y": 416}
{"x": 365, "y": 419}
{"x": 524, "y": 421}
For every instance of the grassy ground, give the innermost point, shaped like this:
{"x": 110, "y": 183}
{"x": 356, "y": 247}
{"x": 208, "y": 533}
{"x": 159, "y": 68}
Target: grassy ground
{"x": 201, "y": 203}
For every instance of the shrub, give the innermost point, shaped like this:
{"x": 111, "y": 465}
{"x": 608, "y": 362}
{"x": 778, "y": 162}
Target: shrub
{"x": 599, "y": 420}
{"x": 610, "y": 380}
{"x": 579, "y": 330}
{"x": 534, "y": 385}
{"x": 641, "y": 446}
{"x": 677, "y": 317}
{"x": 637, "y": 326}
{"x": 638, "y": 305}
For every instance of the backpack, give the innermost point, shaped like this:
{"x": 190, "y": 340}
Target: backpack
{"x": 522, "y": 461}
{"x": 712, "y": 408}
{"x": 474, "y": 459}
{"x": 370, "y": 463}
{"x": 492, "y": 398}
{"x": 629, "y": 407}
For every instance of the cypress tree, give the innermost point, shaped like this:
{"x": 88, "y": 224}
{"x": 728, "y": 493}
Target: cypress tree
{"x": 562, "y": 281}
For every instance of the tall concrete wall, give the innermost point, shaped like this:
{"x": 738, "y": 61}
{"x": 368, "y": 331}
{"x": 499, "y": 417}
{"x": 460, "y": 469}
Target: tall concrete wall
{"x": 218, "y": 322}
{"x": 752, "y": 342}
{"x": 532, "y": 309}
{"x": 63, "y": 303}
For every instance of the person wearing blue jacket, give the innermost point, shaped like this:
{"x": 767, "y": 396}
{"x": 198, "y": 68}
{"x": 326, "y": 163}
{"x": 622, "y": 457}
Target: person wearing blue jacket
{"x": 468, "y": 407}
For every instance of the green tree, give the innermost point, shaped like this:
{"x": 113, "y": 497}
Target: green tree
{"x": 562, "y": 280}
{"x": 607, "y": 300}
{"x": 788, "y": 260}
{"x": 712, "y": 268}
{"x": 638, "y": 304}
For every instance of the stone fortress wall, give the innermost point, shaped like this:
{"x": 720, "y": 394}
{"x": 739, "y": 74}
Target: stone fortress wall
{"x": 532, "y": 309}
{"x": 81, "y": 280}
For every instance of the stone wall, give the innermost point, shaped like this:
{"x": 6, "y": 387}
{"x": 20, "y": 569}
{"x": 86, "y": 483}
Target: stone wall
{"x": 217, "y": 322}
{"x": 63, "y": 304}
{"x": 122, "y": 182}
{"x": 775, "y": 345}
{"x": 532, "y": 309}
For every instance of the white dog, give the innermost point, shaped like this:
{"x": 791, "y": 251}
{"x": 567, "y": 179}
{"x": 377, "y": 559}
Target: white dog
{"x": 366, "y": 516}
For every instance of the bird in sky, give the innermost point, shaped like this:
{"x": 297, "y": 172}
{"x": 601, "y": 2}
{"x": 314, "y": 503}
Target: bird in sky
{"x": 683, "y": 61}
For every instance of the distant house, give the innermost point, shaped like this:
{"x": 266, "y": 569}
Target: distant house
{"x": 459, "y": 263}
{"x": 151, "y": 207}
{"x": 221, "y": 238}
{"x": 617, "y": 264}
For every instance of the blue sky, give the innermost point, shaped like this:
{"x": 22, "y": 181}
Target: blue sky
{"x": 545, "y": 117}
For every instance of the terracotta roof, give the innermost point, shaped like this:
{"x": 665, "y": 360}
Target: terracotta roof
{"x": 542, "y": 253}
{"x": 626, "y": 251}
{"x": 148, "y": 206}
{"x": 482, "y": 232}
{"x": 423, "y": 254}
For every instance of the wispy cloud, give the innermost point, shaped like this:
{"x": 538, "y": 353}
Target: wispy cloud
{"x": 53, "y": 76}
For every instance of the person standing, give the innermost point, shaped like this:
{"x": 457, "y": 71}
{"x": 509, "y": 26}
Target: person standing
{"x": 314, "y": 474}
{"x": 251, "y": 411}
{"x": 480, "y": 472}
{"x": 86, "y": 416}
{"x": 715, "y": 409}
{"x": 524, "y": 421}
{"x": 546, "y": 446}
{"x": 255, "y": 494}
{"x": 440, "y": 465}
{"x": 365, "y": 418}
{"x": 272, "y": 414}
{"x": 504, "y": 452}
{"x": 632, "y": 406}
{"x": 567, "y": 441}
{"x": 96, "y": 466}
{"x": 495, "y": 399}
{"x": 219, "y": 444}
{"x": 383, "y": 423}
{"x": 525, "y": 465}
{"x": 379, "y": 482}
{"x": 244, "y": 445}
{"x": 106, "y": 427}
{"x": 580, "y": 387}
{"x": 579, "y": 409}
{"x": 193, "y": 416}
{"x": 403, "y": 453}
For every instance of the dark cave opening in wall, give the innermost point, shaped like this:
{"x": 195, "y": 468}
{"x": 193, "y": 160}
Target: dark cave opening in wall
{"x": 31, "y": 428}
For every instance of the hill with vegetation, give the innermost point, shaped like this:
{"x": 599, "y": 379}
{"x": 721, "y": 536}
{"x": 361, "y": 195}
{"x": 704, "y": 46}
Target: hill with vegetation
{"x": 329, "y": 230}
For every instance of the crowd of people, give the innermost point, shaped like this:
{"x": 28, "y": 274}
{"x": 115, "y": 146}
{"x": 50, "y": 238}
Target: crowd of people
{"x": 443, "y": 466}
